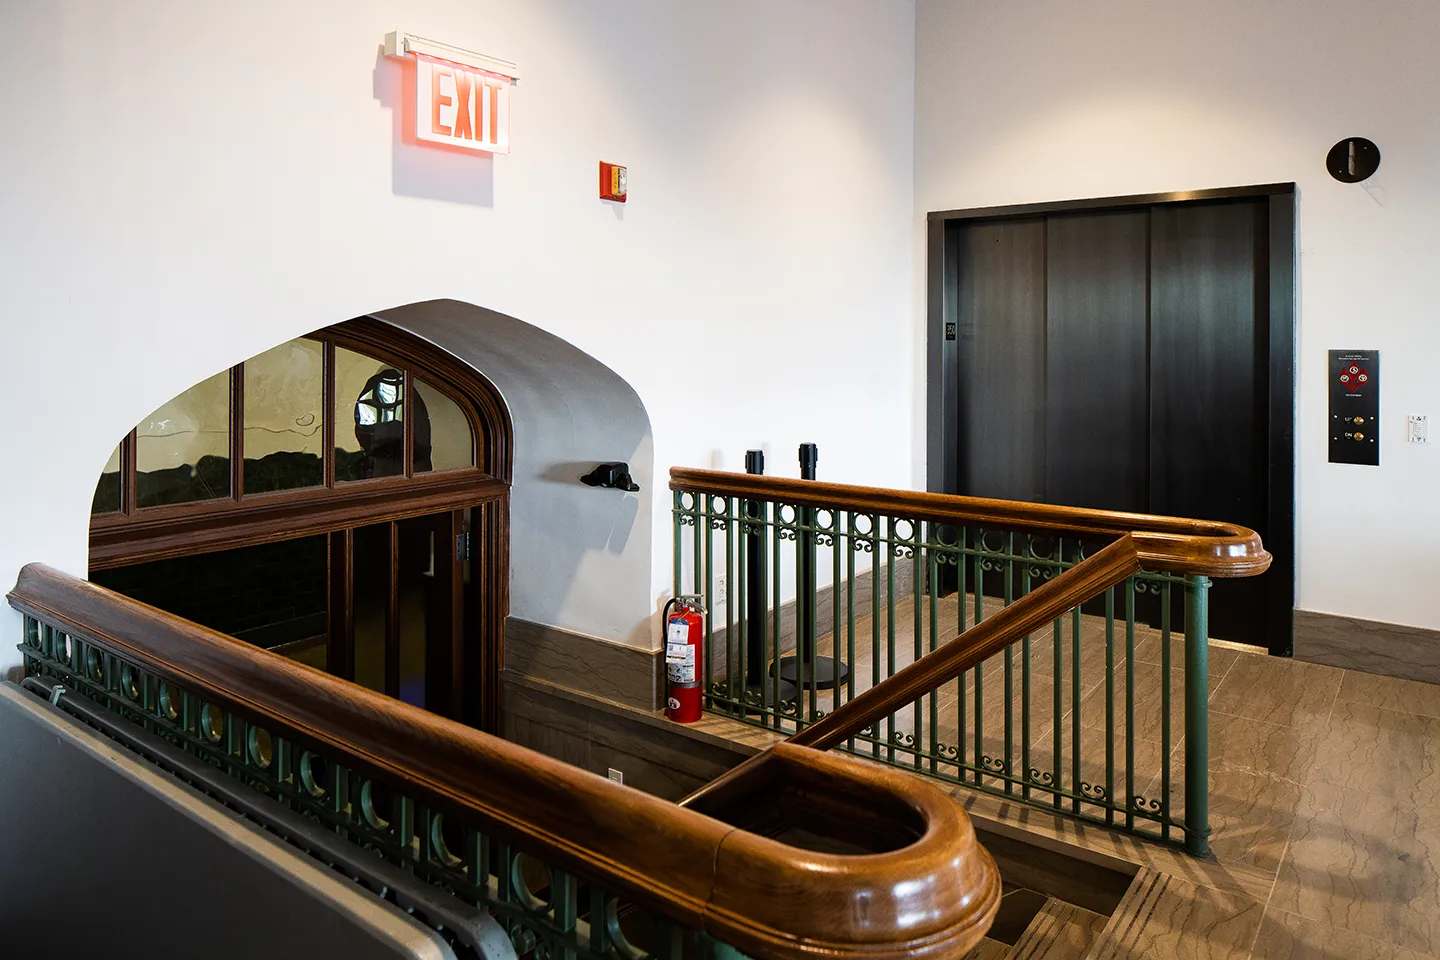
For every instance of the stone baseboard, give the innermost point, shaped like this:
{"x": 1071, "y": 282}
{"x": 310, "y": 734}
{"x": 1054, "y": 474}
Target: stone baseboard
{"x": 636, "y": 677}
{"x": 603, "y": 668}
{"x": 669, "y": 760}
{"x": 1371, "y": 646}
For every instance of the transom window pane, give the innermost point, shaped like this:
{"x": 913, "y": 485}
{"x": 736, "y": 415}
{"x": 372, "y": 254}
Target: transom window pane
{"x": 107, "y": 491}
{"x": 284, "y": 417}
{"x": 182, "y": 450}
{"x": 443, "y": 440}
{"x": 369, "y": 417}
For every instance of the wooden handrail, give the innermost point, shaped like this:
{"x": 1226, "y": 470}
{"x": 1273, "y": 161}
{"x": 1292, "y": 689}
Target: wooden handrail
{"x": 1095, "y": 574}
{"x": 932, "y": 895}
{"x": 1169, "y": 544}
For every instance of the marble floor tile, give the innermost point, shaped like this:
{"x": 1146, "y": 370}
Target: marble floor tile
{"x": 1250, "y": 814}
{"x": 1365, "y": 864}
{"x": 1384, "y": 752}
{"x": 1173, "y": 919}
{"x": 1010, "y": 817}
{"x": 1094, "y": 765}
{"x": 989, "y": 950}
{"x": 1277, "y": 690}
{"x": 1149, "y": 649}
{"x": 1149, "y": 699}
{"x": 994, "y": 700}
{"x": 1289, "y": 936}
{"x": 1391, "y": 693}
{"x": 1256, "y": 746}
{"x": 1091, "y": 649}
{"x": 1060, "y": 931}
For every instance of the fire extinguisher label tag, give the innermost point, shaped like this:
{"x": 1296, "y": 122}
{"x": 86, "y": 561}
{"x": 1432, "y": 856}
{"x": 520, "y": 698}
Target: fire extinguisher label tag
{"x": 678, "y": 632}
{"x": 680, "y": 662}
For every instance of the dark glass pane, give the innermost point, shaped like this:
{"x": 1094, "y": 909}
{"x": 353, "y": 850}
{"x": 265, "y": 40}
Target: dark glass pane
{"x": 372, "y": 600}
{"x": 443, "y": 440}
{"x": 284, "y": 417}
{"x": 107, "y": 491}
{"x": 418, "y": 598}
{"x": 273, "y": 595}
{"x": 369, "y": 417}
{"x": 182, "y": 450}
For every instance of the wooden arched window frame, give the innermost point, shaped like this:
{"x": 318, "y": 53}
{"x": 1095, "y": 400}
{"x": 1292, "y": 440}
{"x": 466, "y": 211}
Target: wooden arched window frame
{"x": 139, "y": 534}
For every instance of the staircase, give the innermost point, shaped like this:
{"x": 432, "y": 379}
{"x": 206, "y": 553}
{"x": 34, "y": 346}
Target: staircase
{"x": 1031, "y": 926}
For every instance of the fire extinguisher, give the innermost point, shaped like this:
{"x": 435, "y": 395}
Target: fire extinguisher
{"x": 684, "y": 653}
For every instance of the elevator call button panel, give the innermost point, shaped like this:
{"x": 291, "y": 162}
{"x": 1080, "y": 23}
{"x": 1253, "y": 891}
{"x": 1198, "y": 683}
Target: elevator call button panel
{"x": 1355, "y": 407}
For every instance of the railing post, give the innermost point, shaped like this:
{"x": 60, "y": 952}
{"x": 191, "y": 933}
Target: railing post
{"x": 1197, "y": 715}
{"x": 823, "y": 673}
{"x": 755, "y": 581}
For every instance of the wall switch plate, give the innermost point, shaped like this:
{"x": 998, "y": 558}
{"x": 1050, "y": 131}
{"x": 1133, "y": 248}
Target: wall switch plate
{"x": 617, "y": 775}
{"x": 722, "y": 591}
{"x": 1417, "y": 428}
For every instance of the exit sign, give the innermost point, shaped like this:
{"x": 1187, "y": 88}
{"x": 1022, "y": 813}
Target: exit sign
{"x": 460, "y": 107}
{"x": 462, "y": 98}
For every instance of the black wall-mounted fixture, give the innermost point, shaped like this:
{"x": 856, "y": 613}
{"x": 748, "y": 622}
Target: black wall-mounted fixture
{"x": 614, "y": 475}
{"x": 1353, "y": 159}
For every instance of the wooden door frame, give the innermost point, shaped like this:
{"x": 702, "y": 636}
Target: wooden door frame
{"x": 942, "y": 361}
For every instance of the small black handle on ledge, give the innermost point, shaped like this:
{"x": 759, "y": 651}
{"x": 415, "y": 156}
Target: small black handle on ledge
{"x": 613, "y": 475}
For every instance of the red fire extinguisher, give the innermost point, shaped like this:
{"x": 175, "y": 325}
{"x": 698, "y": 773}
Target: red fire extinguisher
{"x": 684, "y": 653}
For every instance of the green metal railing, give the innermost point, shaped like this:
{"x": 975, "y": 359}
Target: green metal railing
{"x": 548, "y": 913}
{"x": 1103, "y": 717}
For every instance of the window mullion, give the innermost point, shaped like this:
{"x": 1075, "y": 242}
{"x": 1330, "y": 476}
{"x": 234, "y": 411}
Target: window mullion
{"x": 129, "y": 474}
{"x": 237, "y": 431}
{"x": 408, "y": 421}
{"x": 327, "y": 403}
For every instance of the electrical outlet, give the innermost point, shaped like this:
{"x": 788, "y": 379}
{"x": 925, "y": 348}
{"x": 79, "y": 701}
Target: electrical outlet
{"x": 1417, "y": 428}
{"x": 722, "y": 590}
{"x": 617, "y": 775}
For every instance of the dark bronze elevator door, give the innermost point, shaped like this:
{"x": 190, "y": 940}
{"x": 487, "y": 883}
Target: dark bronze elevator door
{"x": 1119, "y": 359}
{"x": 396, "y": 625}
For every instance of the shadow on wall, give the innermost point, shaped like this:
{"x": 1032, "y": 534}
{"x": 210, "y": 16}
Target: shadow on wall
{"x": 579, "y": 555}
{"x": 428, "y": 172}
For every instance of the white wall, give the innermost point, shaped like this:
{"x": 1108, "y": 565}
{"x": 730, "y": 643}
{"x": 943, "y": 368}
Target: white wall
{"x": 187, "y": 184}
{"x": 1026, "y": 102}
{"x": 580, "y": 557}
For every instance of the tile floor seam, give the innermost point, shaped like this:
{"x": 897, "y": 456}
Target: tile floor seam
{"x": 1255, "y": 937}
{"x": 1290, "y": 834}
{"x": 1225, "y": 673}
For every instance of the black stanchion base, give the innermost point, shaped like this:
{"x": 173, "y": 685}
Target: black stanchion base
{"x": 828, "y": 672}
{"x": 766, "y": 692}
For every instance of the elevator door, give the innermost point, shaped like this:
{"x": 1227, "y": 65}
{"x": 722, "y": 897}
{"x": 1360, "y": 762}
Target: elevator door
{"x": 1119, "y": 359}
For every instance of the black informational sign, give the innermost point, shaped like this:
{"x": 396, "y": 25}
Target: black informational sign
{"x": 1355, "y": 407}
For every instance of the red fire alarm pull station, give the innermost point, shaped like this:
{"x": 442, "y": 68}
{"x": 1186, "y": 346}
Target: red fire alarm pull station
{"x": 612, "y": 182}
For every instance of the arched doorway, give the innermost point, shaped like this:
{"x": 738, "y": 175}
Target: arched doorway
{"x": 341, "y": 499}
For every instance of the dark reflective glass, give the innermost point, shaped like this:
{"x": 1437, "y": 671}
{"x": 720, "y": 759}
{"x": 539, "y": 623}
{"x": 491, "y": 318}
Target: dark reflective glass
{"x": 182, "y": 450}
{"x": 443, "y": 440}
{"x": 369, "y": 417}
{"x": 273, "y": 595}
{"x": 107, "y": 491}
{"x": 284, "y": 417}
{"x": 371, "y": 605}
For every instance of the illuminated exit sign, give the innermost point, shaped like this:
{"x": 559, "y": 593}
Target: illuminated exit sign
{"x": 459, "y": 107}
{"x": 462, "y": 98}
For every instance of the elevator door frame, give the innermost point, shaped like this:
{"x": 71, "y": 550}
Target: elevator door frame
{"x": 942, "y": 362}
